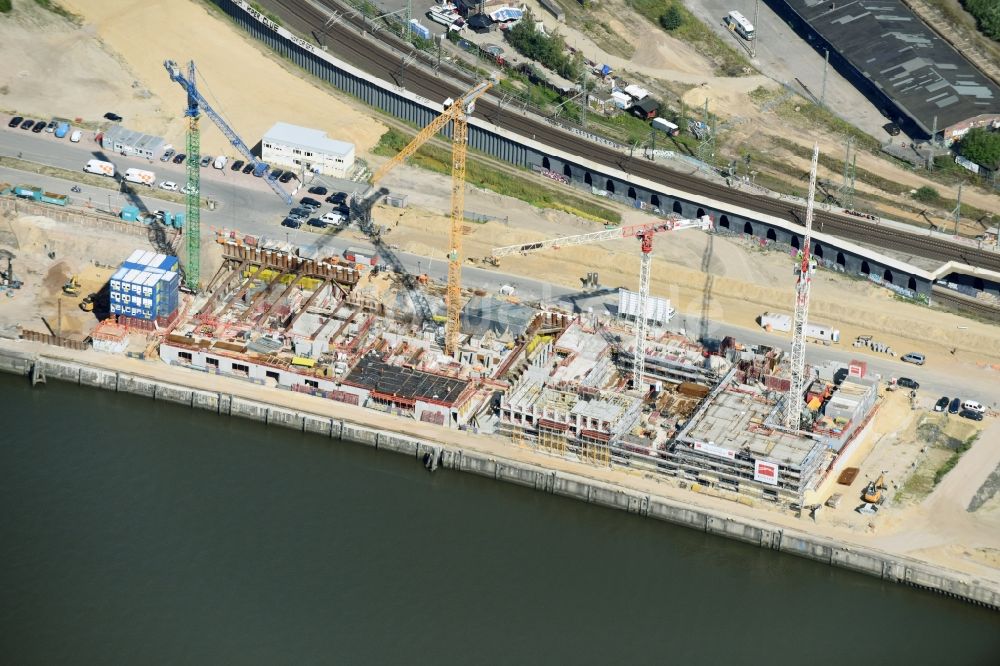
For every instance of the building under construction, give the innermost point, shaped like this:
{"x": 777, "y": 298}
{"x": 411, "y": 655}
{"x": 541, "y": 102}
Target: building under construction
{"x": 552, "y": 379}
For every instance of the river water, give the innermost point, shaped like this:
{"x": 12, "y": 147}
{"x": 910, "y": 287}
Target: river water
{"x": 137, "y": 532}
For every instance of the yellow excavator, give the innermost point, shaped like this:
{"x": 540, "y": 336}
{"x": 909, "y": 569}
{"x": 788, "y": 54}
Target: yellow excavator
{"x": 87, "y": 304}
{"x": 873, "y": 491}
{"x": 72, "y": 287}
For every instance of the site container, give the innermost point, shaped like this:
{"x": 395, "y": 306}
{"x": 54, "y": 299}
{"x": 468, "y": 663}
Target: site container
{"x": 130, "y": 213}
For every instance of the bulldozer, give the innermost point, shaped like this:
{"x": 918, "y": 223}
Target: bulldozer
{"x": 873, "y": 491}
{"x": 72, "y": 286}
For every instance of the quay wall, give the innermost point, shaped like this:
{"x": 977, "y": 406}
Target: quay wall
{"x": 861, "y": 559}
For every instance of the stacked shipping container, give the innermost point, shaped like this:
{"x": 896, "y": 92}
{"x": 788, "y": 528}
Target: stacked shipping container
{"x": 146, "y": 286}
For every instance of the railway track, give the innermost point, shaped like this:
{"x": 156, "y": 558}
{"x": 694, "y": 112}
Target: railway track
{"x": 347, "y": 39}
{"x": 953, "y": 300}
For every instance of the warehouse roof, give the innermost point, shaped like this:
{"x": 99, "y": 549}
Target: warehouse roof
{"x": 886, "y": 43}
{"x": 373, "y": 373}
{"x": 305, "y": 137}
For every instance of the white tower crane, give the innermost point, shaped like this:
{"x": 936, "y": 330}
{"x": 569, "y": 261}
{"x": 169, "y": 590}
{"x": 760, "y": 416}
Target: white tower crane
{"x": 794, "y": 401}
{"x": 645, "y": 233}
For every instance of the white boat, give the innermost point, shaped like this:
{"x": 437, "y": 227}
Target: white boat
{"x": 443, "y": 16}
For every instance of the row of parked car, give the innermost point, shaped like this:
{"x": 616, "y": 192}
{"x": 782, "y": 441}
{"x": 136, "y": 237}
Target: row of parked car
{"x": 55, "y": 127}
{"x": 969, "y": 409}
{"x": 308, "y": 211}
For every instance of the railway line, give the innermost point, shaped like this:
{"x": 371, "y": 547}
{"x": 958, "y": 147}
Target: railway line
{"x": 382, "y": 57}
{"x": 952, "y": 300}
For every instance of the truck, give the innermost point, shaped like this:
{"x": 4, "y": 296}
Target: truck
{"x": 62, "y": 129}
{"x": 666, "y": 126}
{"x": 772, "y": 321}
{"x": 100, "y": 167}
{"x": 140, "y": 177}
{"x": 220, "y": 162}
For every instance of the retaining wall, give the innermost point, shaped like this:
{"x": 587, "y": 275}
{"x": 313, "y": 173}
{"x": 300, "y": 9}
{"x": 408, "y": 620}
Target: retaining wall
{"x": 862, "y": 560}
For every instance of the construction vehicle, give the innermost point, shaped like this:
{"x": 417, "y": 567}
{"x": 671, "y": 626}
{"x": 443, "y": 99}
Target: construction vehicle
{"x": 873, "y": 491}
{"x": 87, "y": 304}
{"x": 643, "y": 232}
{"x": 7, "y": 278}
{"x": 456, "y": 112}
{"x": 72, "y": 286}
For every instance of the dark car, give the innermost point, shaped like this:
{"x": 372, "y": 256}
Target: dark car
{"x": 287, "y": 176}
{"x": 291, "y": 222}
{"x": 344, "y": 210}
{"x": 27, "y": 124}
{"x": 955, "y": 406}
{"x": 39, "y": 126}
{"x": 316, "y": 222}
{"x": 248, "y": 168}
{"x": 237, "y": 165}
{"x": 942, "y": 404}
{"x": 338, "y": 198}
{"x": 906, "y": 382}
{"x": 318, "y": 189}
{"x": 15, "y": 121}
{"x": 310, "y": 202}
{"x": 300, "y": 212}
{"x": 971, "y": 414}
{"x": 275, "y": 174}
{"x": 891, "y": 128}
{"x": 113, "y": 117}
{"x": 179, "y": 158}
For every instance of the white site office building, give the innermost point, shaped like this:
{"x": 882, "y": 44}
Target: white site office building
{"x": 299, "y": 148}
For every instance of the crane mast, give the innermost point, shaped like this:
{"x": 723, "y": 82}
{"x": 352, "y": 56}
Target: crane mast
{"x": 645, "y": 233}
{"x": 794, "y": 401}
{"x": 457, "y": 113}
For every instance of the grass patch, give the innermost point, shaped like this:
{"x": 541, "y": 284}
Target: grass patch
{"x": 271, "y": 16}
{"x": 727, "y": 60}
{"x": 91, "y": 179}
{"x": 796, "y": 107}
{"x": 438, "y": 160}
{"x": 58, "y": 9}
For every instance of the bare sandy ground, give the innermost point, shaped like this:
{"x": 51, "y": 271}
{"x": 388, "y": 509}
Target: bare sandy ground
{"x": 117, "y": 57}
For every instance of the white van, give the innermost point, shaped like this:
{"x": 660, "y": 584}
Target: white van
{"x": 76, "y": 136}
{"x": 220, "y": 162}
{"x": 973, "y": 406}
{"x": 333, "y": 218}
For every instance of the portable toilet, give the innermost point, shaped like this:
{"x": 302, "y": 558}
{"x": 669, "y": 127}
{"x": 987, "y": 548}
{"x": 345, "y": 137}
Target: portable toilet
{"x": 179, "y": 221}
{"x": 130, "y": 213}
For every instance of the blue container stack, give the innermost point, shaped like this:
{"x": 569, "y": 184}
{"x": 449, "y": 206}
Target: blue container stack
{"x": 146, "y": 286}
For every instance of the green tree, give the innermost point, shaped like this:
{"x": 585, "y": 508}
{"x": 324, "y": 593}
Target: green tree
{"x": 5, "y": 6}
{"x": 927, "y": 195}
{"x": 982, "y": 147}
{"x": 672, "y": 18}
{"x": 987, "y": 15}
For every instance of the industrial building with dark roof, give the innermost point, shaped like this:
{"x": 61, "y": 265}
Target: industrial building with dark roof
{"x": 897, "y": 61}
{"x": 405, "y": 384}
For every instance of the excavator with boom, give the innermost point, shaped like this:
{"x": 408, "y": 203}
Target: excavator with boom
{"x": 72, "y": 286}
{"x": 873, "y": 491}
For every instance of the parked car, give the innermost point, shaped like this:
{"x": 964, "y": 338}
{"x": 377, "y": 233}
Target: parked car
{"x": 291, "y": 222}
{"x": 206, "y": 160}
{"x": 274, "y": 174}
{"x": 51, "y": 127}
{"x": 906, "y": 382}
{"x": 248, "y": 168}
{"x": 287, "y": 176}
{"x": 179, "y": 158}
{"x": 167, "y": 154}
{"x": 942, "y": 404}
{"x": 913, "y": 357}
{"x": 27, "y": 124}
{"x": 344, "y": 210}
{"x": 955, "y": 406}
{"x": 333, "y": 218}
{"x": 113, "y": 117}
{"x": 891, "y": 128}
{"x": 39, "y": 126}
{"x": 318, "y": 189}
{"x": 309, "y": 202}
{"x": 971, "y": 414}
{"x": 338, "y": 198}
{"x": 316, "y": 222}
{"x": 237, "y": 165}
{"x": 187, "y": 189}
{"x": 169, "y": 186}
{"x": 302, "y": 213}
{"x": 973, "y": 406}
{"x": 15, "y": 121}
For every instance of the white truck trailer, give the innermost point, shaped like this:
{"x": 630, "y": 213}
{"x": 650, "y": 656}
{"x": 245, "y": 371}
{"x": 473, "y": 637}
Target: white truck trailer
{"x": 100, "y": 167}
{"x": 772, "y": 321}
{"x": 140, "y": 177}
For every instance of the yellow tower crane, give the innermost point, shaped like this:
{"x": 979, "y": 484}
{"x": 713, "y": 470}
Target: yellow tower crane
{"x": 456, "y": 112}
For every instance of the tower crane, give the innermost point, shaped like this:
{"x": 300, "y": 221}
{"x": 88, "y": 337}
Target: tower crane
{"x": 196, "y": 103}
{"x": 645, "y": 233}
{"x": 456, "y": 112}
{"x": 795, "y": 399}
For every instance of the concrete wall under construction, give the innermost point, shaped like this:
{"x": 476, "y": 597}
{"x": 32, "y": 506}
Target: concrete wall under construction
{"x": 860, "y": 559}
